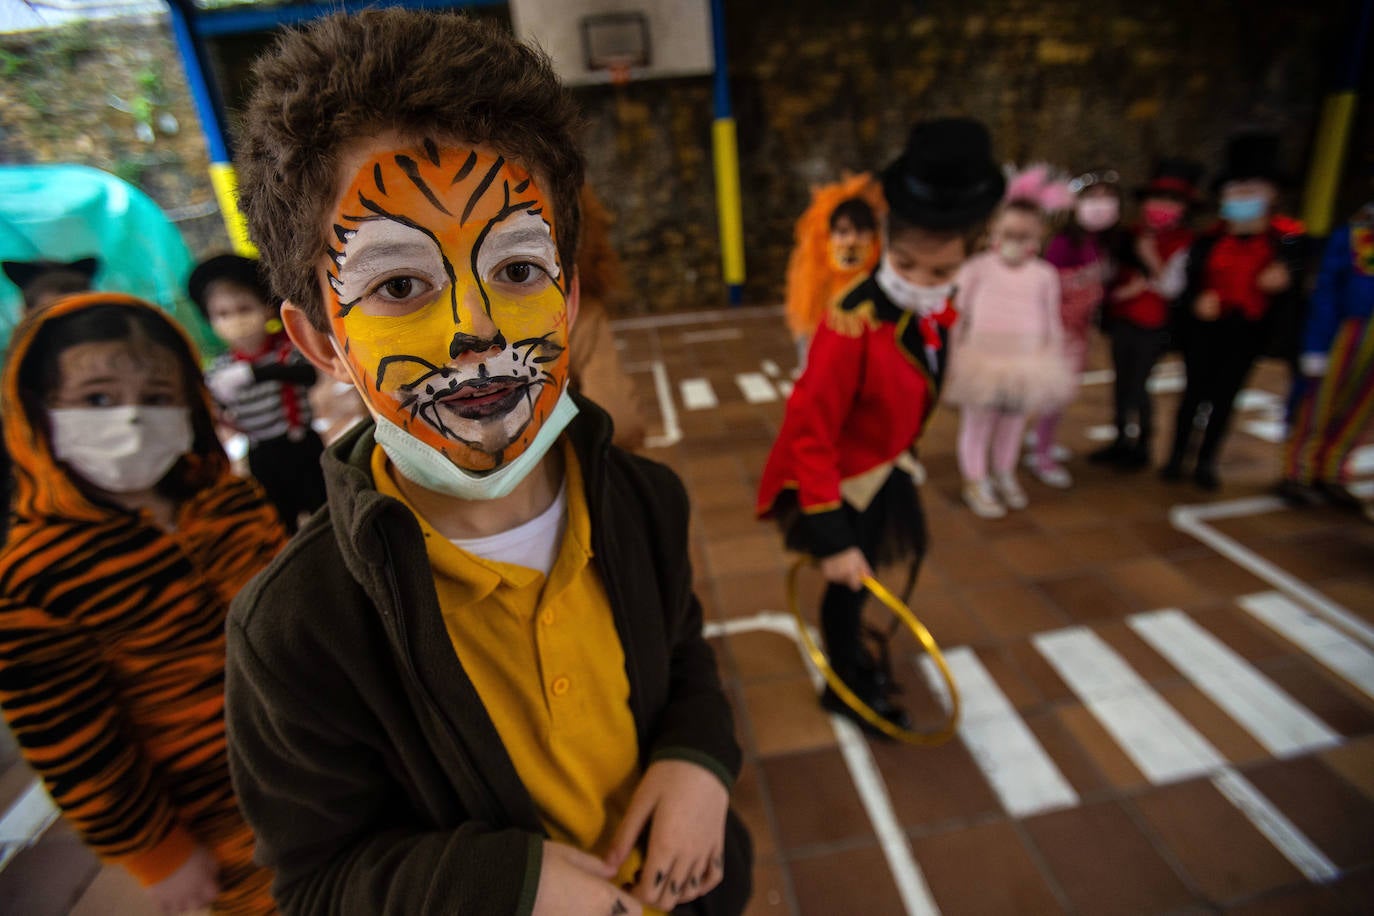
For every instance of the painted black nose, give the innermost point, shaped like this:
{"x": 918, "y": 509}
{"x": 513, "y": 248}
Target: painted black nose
{"x": 468, "y": 343}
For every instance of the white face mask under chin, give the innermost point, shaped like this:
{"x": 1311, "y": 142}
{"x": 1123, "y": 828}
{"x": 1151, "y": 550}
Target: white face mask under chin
{"x": 121, "y": 449}
{"x": 428, "y": 467}
{"x": 907, "y": 296}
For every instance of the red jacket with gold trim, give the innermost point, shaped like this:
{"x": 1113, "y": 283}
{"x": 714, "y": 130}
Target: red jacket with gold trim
{"x": 872, "y": 378}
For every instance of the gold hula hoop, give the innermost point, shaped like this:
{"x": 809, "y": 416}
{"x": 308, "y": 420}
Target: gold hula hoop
{"x": 918, "y": 629}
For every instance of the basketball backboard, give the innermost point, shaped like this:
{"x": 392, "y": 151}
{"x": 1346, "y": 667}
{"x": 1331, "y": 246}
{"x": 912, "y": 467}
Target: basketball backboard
{"x": 592, "y": 41}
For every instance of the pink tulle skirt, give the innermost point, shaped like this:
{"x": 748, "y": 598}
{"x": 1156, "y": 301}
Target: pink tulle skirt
{"x": 1003, "y": 373}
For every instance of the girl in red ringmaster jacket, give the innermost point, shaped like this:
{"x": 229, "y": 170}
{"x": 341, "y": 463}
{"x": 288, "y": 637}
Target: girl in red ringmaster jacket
{"x": 839, "y": 478}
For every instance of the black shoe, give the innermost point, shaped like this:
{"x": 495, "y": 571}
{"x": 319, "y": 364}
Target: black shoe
{"x": 1299, "y": 495}
{"x": 1111, "y": 454}
{"x": 1206, "y": 478}
{"x": 1172, "y": 472}
{"x": 1136, "y": 458}
{"x": 1339, "y": 495}
{"x": 879, "y": 703}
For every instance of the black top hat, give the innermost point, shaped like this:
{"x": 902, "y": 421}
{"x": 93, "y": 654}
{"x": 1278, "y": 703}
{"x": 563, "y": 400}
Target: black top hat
{"x": 1173, "y": 176}
{"x": 235, "y": 268}
{"x": 22, "y": 273}
{"x": 1251, "y": 155}
{"x": 946, "y": 177}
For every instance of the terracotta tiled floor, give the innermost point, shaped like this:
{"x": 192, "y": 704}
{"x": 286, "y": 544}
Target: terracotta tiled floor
{"x": 1091, "y": 557}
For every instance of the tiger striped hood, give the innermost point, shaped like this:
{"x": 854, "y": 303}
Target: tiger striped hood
{"x": 43, "y": 488}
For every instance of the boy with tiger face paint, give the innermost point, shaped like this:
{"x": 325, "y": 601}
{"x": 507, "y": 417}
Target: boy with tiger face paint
{"x": 452, "y": 308}
{"x": 477, "y": 681}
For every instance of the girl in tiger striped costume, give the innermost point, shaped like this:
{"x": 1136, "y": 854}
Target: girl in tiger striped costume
{"x": 128, "y": 538}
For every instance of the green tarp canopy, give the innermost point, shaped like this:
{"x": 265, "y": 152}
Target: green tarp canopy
{"x": 65, "y": 212}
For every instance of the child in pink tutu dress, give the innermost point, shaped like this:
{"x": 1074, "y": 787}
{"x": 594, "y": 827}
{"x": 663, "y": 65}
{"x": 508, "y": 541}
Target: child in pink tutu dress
{"x": 1007, "y": 361}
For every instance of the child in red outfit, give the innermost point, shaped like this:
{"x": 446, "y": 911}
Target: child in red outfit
{"x": 1234, "y": 272}
{"x": 839, "y": 477}
{"x": 1150, "y": 274}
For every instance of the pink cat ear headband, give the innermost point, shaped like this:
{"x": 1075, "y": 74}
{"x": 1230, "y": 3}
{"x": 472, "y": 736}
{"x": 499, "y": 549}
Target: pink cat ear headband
{"x": 1038, "y": 184}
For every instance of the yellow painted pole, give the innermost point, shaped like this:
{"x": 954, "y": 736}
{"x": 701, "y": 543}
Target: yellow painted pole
{"x": 1323, "y": 179}
{"x": 226, "y": 185}
{"x": 728, "y": 209}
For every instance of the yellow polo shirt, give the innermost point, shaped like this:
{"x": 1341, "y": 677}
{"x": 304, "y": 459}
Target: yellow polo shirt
{"x": 547, "y": 663}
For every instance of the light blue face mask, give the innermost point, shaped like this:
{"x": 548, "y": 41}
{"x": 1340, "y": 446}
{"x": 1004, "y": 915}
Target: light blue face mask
{"x": 1244, "y": 209}
{"x": 428, "y": 467}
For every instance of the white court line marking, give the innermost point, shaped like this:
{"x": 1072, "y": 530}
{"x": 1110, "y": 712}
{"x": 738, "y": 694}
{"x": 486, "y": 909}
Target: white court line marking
{"x": 672, "y": 432}
{"x": 1163, "y": 744}
{"x": 770, "y": 368}
{"x": 696, "y": 337}
{"x": 1257, "y": 399}
{"x": 785, "y": 388}
{"x": 1020, "y": 772}
{"x": 863, "y": 770}
{"x": 1270, "y": 715}
{"x": 1266, "y": 430}
{"x": 755, "y": 387}
{"x": 1361, "y": 461}
{"x": 1097, "y": 377}
{"x": 1193, "y": 520}
{"x": 1102, "y": 433}
{"x": 28, "y": 817}
{"x": 1276, "y": 827}
{"x": 1338, "y": 652}
{"x": 1156, "y": 738}
{"x": 697, "y": 394}
{"x": 1166, "y": 383}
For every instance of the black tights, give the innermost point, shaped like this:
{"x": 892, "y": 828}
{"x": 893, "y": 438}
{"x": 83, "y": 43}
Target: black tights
{"x": 1218, "y": 356}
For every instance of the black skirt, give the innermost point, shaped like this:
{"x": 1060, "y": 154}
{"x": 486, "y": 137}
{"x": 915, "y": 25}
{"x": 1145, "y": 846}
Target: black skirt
{"x": 891, "y": 530}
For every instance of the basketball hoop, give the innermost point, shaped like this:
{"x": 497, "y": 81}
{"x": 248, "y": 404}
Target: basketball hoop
{"x": 619, "y": 69}
{"x": 616, "y": 43}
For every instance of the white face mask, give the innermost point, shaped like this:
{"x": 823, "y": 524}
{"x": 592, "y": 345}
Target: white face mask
{"x": 428, "y": 467}
{"x": 907, "y": 296}
{"x": 1014, "y": 253}
{"x": 246, "y": 327}
{"x": 1096, "y": 214}
{"x": 121, "y": 449}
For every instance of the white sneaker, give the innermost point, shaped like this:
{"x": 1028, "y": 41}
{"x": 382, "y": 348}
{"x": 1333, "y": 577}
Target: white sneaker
{"x": 1007, "y": 487}
{"x": 979, "y": 496}
{"x": 1052, "y": 475}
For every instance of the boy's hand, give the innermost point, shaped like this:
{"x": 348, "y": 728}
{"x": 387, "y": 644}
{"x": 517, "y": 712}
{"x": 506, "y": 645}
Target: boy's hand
{"x": 226, "y": 383}
{"x": 684, "y": 806}
{"x": 1207, "y": 307}
{"x": 848, "y": 567}
{"x": 191, "y": 887}
{"x": 1274, "y": 279}
{"x": 574, "y": 883}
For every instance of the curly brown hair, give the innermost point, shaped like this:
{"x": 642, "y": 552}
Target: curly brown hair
{"x": 345, "y": 78}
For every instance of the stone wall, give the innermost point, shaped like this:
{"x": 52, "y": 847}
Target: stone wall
{"x": 818, "y": 87}
{"x": 111, "y": 95}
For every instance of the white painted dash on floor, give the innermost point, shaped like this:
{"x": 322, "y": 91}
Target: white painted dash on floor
{"x": 697, "y": 394}
{"x": 1162, "y": 743}
{"x": 1103, "y": 433}
{"x": 1266, "y": 430}
{"x": 755, "y": 387}
{"x": 1328, "y": 645}
{"x": 785, "y": 388}
{"x": 1017, "y": 767}
{"x": 1283, "y": 726}
{"x": 1168, "y": 383}
{"x": 1158, "y": 740}
{"x": 1361, "y": 461}
{"x": 770, "y": 368}
{"x": 1255, "y": 399}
